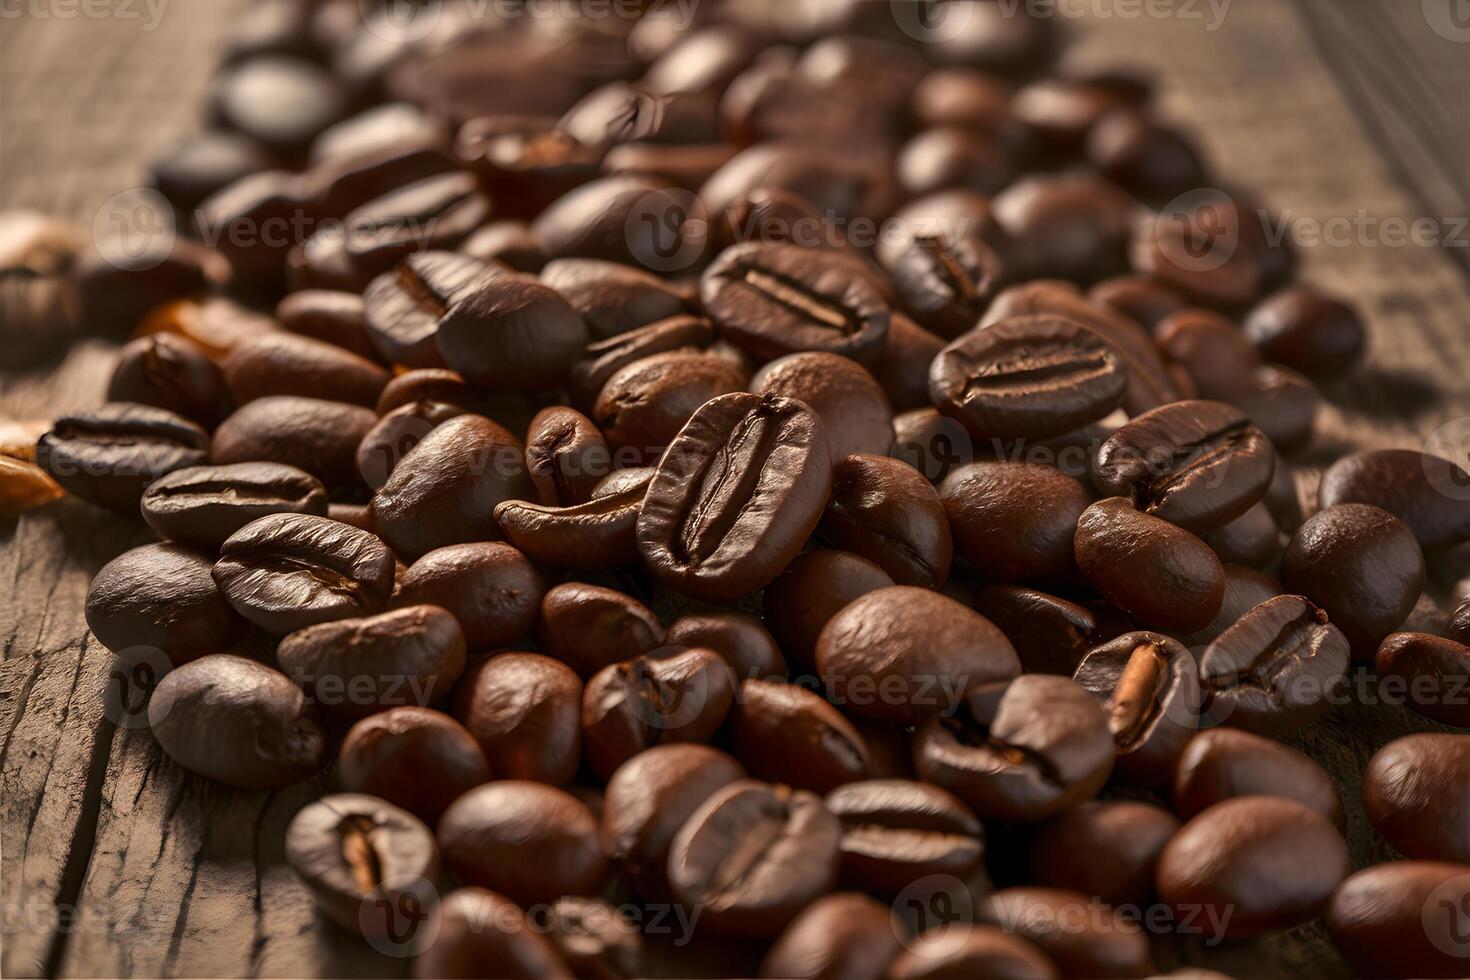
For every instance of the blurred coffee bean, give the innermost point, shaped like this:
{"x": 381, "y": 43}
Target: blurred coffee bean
{"x": 172, "y": 373}
{"x": 1417, "y": 795}
{"x": 1224, "y": 763}
{"x": 320, "y": 437}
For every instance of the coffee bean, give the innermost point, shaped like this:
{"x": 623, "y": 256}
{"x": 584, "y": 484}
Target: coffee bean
{"x": 340, "y": 185}
{"x": 701, "y": 532}
{"x": 282, "y": 103}
{"x": 417, "y": 758}
{"x": 958, "y": 950}
{"x": 1283, "y": 404}
{"x": 1315, "y": 334}
{"x": 396, "y": 435}
{"x": 509, "y": 243}
{"x": 1015, "y": 521}
{"x": 524, "y": 710}
{"x": 357, "y": 667}
{"x": 214, "y": 324}
{"x": 281, "y": 363}
{"x": 1151, "y": 688}
{"x": 532, "y": 842}
{"x": 526, "y": 162}
{"x": 1212, "y": 351}
{"x": 786, "y": 734}
{"x": 1019, "y": 750}
{"x": 403, "y": 307}
{"x": 1063, "y": 112}
{"x": 1145, "y": 157}
{"x": 1362, "y": 566}
{"x": 885, "y": 511}
{"x": 1387, "y": 920}
{"x": 896, "y": 832}
{"x": 853, "y": 408}
{"x": 1102, "y": 944}
{"x": 1203, "y": 246}
{"x": 1196, "y": 464}
{"x": 1416, "y": 792}
{"x": 1050, "y": 634}
{"x": 236, "y": 722}
{"x": 489, "y": 587}
{"x": 645, "y": 404}
{"x": 1432, "y": 669}
{"x": 320, "y": 437}
{"x": 511, "y": 332}
{"x": 566, "y": 456}
{"x": 753, "y": 855}
{"x": 160, "y": 598}
{"x": 285, "y": 572}
{"x": 1223, "y": 763}
{"x": 333, "y": 317}
{"x": 353, "y": 850}
{"x": 173, "y": 374}
{"x": 628, "y": 218}
{"x": 946, "y": 280}
{"x": 595, "y": 938}
{"x": 1163, "y": 576}
{"x": 428, "y": 385}
{"x": 1245, "y": 589}
{"x": 111, "y": 455}
{"x": 902, "y": 366}
{"x": 200, "y": 166}
{"x": 747, "y": 646}
{"x": 966, "y": 97}
{"x": 1139, "y": 298}
{"x": 1252, "y": 539}
{"x": 605, "y": 358}
{"x": 1419, "y": 489}
{"x": 931, "y": 443}
{"x": 599, "y": 534}
{"x": 1069, "y": 226}
{"x": 945, "y": 157}
{"x": 234, "y": 217}
{"x": 478, "y": 932}
{"x": 611, "y": 298}
{"x": 1276, "y": 669}
{"x": 1106, "y": 848}
{"x": 588, "y": 627}
{"x": 840, "y": 935}
{"x": 812, "y": 589}
{"x": 24, "y": 485}
{"x": 1266, "y": 862}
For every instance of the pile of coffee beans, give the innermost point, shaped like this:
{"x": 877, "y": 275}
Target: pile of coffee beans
{"x": 775, "y": 490}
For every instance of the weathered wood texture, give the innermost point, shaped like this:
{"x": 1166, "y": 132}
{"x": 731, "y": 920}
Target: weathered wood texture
{"x": 114, "y": 863}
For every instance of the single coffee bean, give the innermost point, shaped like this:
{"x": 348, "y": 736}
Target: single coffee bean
{"x": 532, "y": 842}
{"x": 511, "y": 332}
{"x": 173, "y": 374}
{"x": 885, "y": 511}
{"x": 1196, "y": 464}
{"x": 1145, "y": 157}
{"x": 772, "y": 300}
{"x": 281, "y": 363}
{"x": 24, "y": 485}
{"x": 1015, "y": 521}
{"x": 596, "y": 535}
{"x": 612, "y": 298}
{"x": 840, "y": 935}
{"x": 320, "y": 437}
{"x": 1212, "y": 351}
{"x": 1308, "y": 332}
{"x": 945, "y": 157}
{"x": 1103, "y": 945}
{"x": 649, "y": 799}
{"x": 1416, "y": 792}
{"x": 853, "y": 408}
{"x": 1252, "y": 539}
{"x": 669, "y": 695}
{"x": 333, "y": 317}
{"x": 753, "y": 855}
{"x": 524, "y": 710}
{"x": 786, "y": 734}
{"x": 645, "y": 404}
{"x": 605, "y": 358}
{"x": 595, "y": 938}
{"x": 285, "y": 572}
{"x": 588, "y": 627}
{"x": 959, "y": 951}
{"x": 931, "y": 443}
{"x": 1362, "y": 566}
{"x": 358, "y": 667}
{"x": 1223, "y": 763}
{"x": 445, "y": 490}
{"x": 282, "y": 103}
{"x": 479, "y": 932}
{"x": 353, "y": 850}
{"x": 1020, "y": 750}
{"x": 812, "y": 589}
{"x": 160, "y": 599}
{"x": 1151, "y": 688}
{"x": 111, "y": 455}
{"x": 896, "y": 832}
{"x": 236, "y": 722}
{"x": 416, "y": 758}
{"x": 902, "y": 367}
{"x": 430, "y": 385}
{"x": 945, "y": 280}
{"x": 627, "y": 218}
{"x": 1282, "y": 403}
{"x": 1430, "y": 668}
{"x": 1388, "y": 920}
{"x": 1161, "y": 575}
{"x": 747, "y": 646}
{"x": 526, "y": 162}
{"x": 1425, "y": 492}
{"x": 1065, "y": 226}
{"x": 1460, "y": 622}
{"x": 699, "y": 532}
{"x": 200, "y": 166}
{"x": 1276, "y": 669}
{"x": 566, "y": 456}
{"x": 509, "y": 243}
{"x": 489, "y": 587}
{"x": 1027, "y": 377}
{"x": 1201, "y": 245}
{"x": 1245, "y": 589}
{"x": 402, "y": 308}
{"x": 396, "y": 435}
{"x": 1106, "y": 848}
{"x": 1266, "y": 862}
{"x": 204, "y": 505}
{"x": 1139, "y": 298}
{"x": 1050, "y": 634}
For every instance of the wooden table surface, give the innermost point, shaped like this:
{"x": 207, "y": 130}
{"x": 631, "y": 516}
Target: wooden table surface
{"x": 1345, "y": 116}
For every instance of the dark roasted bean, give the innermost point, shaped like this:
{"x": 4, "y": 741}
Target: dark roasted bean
{"x": 1400, "y": 919}
{"x": 1151, "y": 688}
{"x": 489, "y": 587}
{"x": 479, "y": 932}
{"x": 204, "y": 505}
{"x": 1101, "y": 944}
{"x": 1015, "y": 521}
{"x": 902, "y": 367}
{"x": 524, "y": 710}
{"x": 1433, "y": 669}
{"x": 1416, "y": 792}
{"x": 840, "y": 935}
{"x": 812, "y": 589}
{"x": 896, "y": 831}
{"x": 413, "y": 757}
{"x": 1307, "y": 331}
{"x": 1224, "y": 763}
{"x": 786, "y": 734}
{"x": 111, "y": 455}
{"x": 854, "y": 410}
{"x": 959, "y": 951}
{"x": 511, "y": 332}
{"x": 171, "y": 373}
{"x": 396, "y": 435}
{"x": 646, "y": 402}
{"x": 281, "y": 363}
{"x": 611, "y": 298}
{"x": 931, "y": 443}
{"x": 746, "y": 644}
{"x": 588, "y": 627}
{"x": 1106, "y": 848}
{"x": 1050, "y": 634}
{"x": 1252, "y": 539}
{"x": 565, "y": 456}
{"x": 334, "y": 317}
{"x": 1426, "y": 492}
{"x": 320, "y": 437}
{"x": 599, "y": 534}
{"x": 403, "y": 307}
{"x": 885, "y": 511}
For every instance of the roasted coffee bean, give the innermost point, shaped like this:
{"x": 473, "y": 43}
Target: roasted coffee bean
{"x": 1425, "y": 492}
{"x": 670, "y": 695}
{"x": 1276, "y": 669}
{"x": 1019, "y": 750}
{"x": 896, "y": 831}
{"x": 931, "y": 443}
{"x": 532, "y": 842}
{"x": 1068, "y": 226}
{"x": 160, "y": 599}
{"x": 588, "y": 627}
{"x": 1400, "y": 920}
{"x": 645, "y": 404}
{"x": 1050, "y": 634}
{"x": 1245, "y": 589}
{"x": 1201, "y": 245}
{"x": 1062, "y": 112}
{"x": 396, "y": 435}
{"x": 1416, "y": 792}
{"x": 947, "y": 218}
{"x": 402, "y": 308}
{"x": 1151, "y": 688}
{"x": 479, "y": 932}
{"x": 527, "y": 162}
{"x": 966, "y": 97}
{"x": 171, "y": 373}
{"x": 1139, "y": 298}
{"x": 853, "y": 408}
{"x": 605, "y": 358}
{"x": 342, "y": 184}
{"x": 1015, "y": 521}
{"x": 333, "y": 317}
{"x": 959, "y": 951}
{"x": 118, "y": 281}
{"x": 1459, "y": 629}
{"x": 946, "y": 281}
{"x": 1196, "y": 464}
{"x": 320, "y": 437}
{"x": 1431, "y": 668}
{"x": 649, "y": 799}
{"x": 214, "y": 324}
{"x": 524, "y": 710}
{"x": 599, "y": 534}
{"x": 1315, "y": 334}
{"x": 902, "y": 366}
{"x": 786, "y": 734}
{"x": 1283, "y": 404}
{"x": 812, "y": 589}
{"x": 489, "y": 587}
{"x": 747, "y": 646}
{"x": 595, "y": 938}
{"x": 354, "y": 850}
{"x": 234, "y": 217}
{"x": 285, "y": 572}
{"x": 1027, "y": 377}
{"x": 1152, "y": 570}
{"x": 200, "y": 166}
{"x": 282, "y": 103}
{"x": 902, "y": 654}
{"x": 566, "y": 456}
{"x": 753, "y": 855}
{"x": 1362, "y": 566}
{"x": 413, "y": 757}
{"x": 281, "y": 363}
{"x": 772, "y": 300}
{"x": 357, "y": 667}
{"x": 111, "y": 455}
{"x": 236, "y": 722}
{"x": 840, "y": 935}
{"x": 429, "y": 385}
{"x": 509, "y": 243}
{"x": 1145, "y": 157}
{"x": 445, "y": 490}
{"x": 1254, "y": 864}
{"x": 946, "y": 157}
{"x": 885, "y": 511}
{"x": 1252, "y": 539}
{"x": 1212, "y": 351}
{"x": 1104, "y": 944}
{"x": 1106, "y": 848}
{"x": 1223, "y": 763}
{"x": 611, "y": 298}
{"x": 511, "y": 332}
{"x": 736, "y": 495}
{"x": 628, "y": 218}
